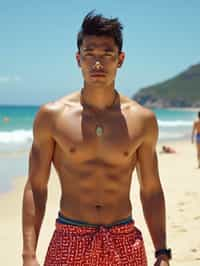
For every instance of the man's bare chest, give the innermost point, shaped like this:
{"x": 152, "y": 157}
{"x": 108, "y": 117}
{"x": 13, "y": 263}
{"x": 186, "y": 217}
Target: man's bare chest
{"x": 77, "y": 135}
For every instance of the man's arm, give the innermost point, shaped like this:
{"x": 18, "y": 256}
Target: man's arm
{"x": 35, "y": 192}
{"x": 151, "y": 192}
{"x": 193, "y": 131}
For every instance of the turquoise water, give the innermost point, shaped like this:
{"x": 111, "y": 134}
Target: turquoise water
{"x": 15, "y": 141}
{"x": 174, "y": 124}
{"x": 16, "y": 136}
{"x": 20, "y": 117}
{"x": 16, "y": 124}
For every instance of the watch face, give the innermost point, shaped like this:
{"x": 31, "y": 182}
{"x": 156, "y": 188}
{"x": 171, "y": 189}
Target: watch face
{"x": 166, "y": 252}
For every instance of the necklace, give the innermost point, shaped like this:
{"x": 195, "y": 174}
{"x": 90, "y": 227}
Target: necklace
{"x": 99, "y": 130}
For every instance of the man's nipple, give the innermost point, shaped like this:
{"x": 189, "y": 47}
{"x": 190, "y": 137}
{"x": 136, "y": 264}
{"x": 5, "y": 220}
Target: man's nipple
{"x": 72, "y": 150}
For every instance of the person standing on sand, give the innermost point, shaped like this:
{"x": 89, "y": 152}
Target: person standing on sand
{"x": 196, "y": 133}
{"x": 95, "y": 138}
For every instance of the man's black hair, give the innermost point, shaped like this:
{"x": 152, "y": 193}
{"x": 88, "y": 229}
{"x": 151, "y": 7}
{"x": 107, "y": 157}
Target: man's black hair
{"x": 199, "y": 114}
{"x": 100, "y": 26}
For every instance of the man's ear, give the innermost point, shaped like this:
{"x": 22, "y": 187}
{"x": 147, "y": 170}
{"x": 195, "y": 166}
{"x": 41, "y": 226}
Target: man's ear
{"x": 78, "y": 59}
{"x": 121, "y": 59}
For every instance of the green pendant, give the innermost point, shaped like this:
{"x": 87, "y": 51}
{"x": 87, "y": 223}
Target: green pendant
{"x": 99, "y": 131}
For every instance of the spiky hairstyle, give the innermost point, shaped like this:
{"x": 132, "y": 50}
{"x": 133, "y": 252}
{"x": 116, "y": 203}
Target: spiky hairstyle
{"x": 100, "y": 26}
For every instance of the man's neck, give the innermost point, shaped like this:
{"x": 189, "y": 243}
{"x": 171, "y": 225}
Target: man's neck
{"x": 99, "y": 98}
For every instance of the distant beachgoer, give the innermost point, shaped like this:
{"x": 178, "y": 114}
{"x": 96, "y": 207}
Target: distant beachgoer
{"x": 6, "y": 119}
{"x": 196, "y": 133}
{"x": 168, "y": 149}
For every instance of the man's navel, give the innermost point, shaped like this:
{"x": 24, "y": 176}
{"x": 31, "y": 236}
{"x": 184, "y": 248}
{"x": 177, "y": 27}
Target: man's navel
{"x": 72, "y": 150}
{"x": 126, "y": 153}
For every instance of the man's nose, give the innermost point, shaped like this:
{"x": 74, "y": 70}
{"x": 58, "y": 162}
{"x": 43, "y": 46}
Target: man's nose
{"x": 97, "y": 65}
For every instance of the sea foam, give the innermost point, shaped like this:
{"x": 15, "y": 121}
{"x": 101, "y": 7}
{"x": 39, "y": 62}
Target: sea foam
{"x": 16, "y": 136}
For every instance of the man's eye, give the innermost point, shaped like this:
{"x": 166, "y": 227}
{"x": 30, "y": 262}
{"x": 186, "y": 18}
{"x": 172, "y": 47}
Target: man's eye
{"x": 88, "y": 54}
{"x": 107, "y": 54}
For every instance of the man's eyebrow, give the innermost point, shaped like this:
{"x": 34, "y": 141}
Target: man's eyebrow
{"x": 91, "y": 48}
{"x": 109, "y": 49}
{"x": 86, "y": 49}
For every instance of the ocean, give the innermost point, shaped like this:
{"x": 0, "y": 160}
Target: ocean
{"x": 16, "y": 137}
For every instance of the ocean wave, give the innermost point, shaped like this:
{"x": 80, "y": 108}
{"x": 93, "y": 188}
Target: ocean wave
{"x": 16, "y": 136}
{"x": 21, "y": 137}
{"x": 175, "y": 123}
{"x": 173, "y": 136}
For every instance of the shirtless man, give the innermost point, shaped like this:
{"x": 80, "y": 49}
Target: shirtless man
{"x": 196, "y": 133}
{"x": 95, "y": 138}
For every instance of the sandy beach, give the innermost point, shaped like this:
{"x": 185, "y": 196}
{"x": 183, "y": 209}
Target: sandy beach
{"x": 181, "y": 181}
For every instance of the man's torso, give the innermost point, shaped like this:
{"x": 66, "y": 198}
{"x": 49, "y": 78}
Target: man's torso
{"x": 197, "y": 126}
{"x": 95, "y": 171}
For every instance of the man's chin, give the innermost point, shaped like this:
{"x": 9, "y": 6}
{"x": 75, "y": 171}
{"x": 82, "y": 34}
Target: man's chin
{"x": 98, "y": 78}
{"x": 97, "y": 81}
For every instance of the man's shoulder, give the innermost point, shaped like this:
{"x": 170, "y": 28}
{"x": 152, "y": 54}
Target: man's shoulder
{"x": 139, "y": 110}
{"x": 47, "y": 111}
{"x": 44, "y": 117}
{"x": 197, "y": 122}
{"x": 145, "y": 117}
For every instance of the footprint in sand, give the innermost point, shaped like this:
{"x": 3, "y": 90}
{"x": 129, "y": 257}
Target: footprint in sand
{"x": 179, "y": 228}
{"x": 191, "y": 194}
{"x": 182, "y": 230}
{"x": 175, "y": 226}
{"x": 194, "y": 250}
{"x": 181, "y": 203}
{"x": 197, "y": 218}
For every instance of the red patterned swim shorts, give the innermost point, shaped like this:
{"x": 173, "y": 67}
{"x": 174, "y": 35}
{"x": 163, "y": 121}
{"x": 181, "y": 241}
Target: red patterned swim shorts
{"x": 118, "y": 245}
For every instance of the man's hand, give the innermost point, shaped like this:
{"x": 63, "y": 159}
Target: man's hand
{"x": 162, "y": 261}
{"x": 30, "y": 262}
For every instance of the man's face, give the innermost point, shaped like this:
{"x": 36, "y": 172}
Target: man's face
{"x": 99, "y": 59}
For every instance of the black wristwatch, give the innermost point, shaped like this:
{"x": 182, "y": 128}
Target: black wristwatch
{"x": 166, "y": 252}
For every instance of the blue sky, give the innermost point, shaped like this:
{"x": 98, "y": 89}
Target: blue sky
{"x": 38, "y": 45}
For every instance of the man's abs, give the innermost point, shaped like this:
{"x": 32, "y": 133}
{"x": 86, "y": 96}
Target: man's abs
{"x": 97, "y": 194}
{"x": 95, "y": 213}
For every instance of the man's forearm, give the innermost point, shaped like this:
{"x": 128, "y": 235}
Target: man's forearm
{"x": 154, "y": 212}
{"x": 192, "y": 137}
{"x": 32, "y": 220}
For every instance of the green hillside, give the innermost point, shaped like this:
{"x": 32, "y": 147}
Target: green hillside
{"x": 180, "y": 91}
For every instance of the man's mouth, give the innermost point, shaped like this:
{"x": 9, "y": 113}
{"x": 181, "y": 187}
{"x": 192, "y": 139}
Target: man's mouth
{"x": 98, "y": 74}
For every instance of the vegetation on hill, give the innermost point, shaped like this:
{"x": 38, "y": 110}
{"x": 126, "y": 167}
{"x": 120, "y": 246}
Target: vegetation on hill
{"x": 180, "y": 91}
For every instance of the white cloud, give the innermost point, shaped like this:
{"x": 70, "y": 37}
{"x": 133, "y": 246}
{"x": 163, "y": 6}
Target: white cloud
{"x": 8, "y": 79}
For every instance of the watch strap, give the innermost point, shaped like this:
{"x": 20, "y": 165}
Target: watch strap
{"x": 164, "y": 251}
